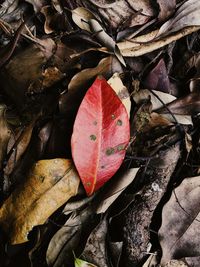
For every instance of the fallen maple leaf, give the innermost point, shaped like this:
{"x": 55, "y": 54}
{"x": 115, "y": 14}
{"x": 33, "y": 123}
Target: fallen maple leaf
{"x": 49, "y": 185}
{"x": 100, "y": 135}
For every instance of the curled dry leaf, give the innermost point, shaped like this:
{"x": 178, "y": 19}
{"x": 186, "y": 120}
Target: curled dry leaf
{"x": 105, "y": 39}
{"x": 186, "y": 15}
{"x": 81, "y": 78}
{"x": 182, "y": 212}
{"x": 144, "y": 44}
{"x": 81, "y": 17}
{"x": 176, "y": 263}
{"x": 121, "y": 90}
{"x": 100, "y": 135}
{"x": 48, "y": 186}
{"x": 5, "y": 134}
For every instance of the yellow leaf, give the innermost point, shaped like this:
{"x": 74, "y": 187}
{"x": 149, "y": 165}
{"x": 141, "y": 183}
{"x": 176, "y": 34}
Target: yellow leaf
{"x": 82, "y": 263}
{"x": 48, "y": 186}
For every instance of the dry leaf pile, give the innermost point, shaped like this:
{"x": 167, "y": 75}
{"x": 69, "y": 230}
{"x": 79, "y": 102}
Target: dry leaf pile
{"x": 99, "y": 133}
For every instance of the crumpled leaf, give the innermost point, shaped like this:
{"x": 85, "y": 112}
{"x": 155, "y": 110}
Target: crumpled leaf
{"x": 48, "y": 186}
{"x": 186, "y": 15}
{"x": 100, "y": 135}
{"x": 122, "y": 92}
{"x": 179, "y": 233}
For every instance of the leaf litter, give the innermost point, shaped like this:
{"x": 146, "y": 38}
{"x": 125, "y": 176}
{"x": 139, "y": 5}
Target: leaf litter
{"x": 99, "y": 132}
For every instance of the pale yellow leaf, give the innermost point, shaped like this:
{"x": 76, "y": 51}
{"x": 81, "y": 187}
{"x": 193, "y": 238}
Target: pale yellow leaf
{"x": 122, "y": 92}
{"x": 48, "y": 186}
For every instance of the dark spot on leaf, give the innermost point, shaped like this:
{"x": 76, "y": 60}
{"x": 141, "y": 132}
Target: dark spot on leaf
{"x": 93, "y": 137}
{"x": 95, "y": 122}
{"x": 119, "y": 122}
{"x": 102, "y": 167}
{"x": 88, "y": 183}
{"x": 113, "y": 116}
{"x": 120, "y": 148}
{"x": 110, "y": 151}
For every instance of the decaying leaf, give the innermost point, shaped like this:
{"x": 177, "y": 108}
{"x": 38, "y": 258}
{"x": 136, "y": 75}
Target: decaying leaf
{"x": 117, "y": 85}
{"x": 180, "y": 220}
{"x": 100, "y": 135}
{"x": 49, "y": 185}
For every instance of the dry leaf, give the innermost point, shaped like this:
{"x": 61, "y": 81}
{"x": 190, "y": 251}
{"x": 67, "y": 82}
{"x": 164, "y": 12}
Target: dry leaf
{"x": 49, "y": 185}
{"x": 81, "y": 17}
{"x": 95, "y": 248}
{"x": 176, "y": 263}
{"x": 119, "y": 184}
{"x": 67, "y": 239}
{"x": 105, "y": 39}
{"x": 5, "y": 134}
{"x": 186, "y": 15}
{"x": 117, "y": 85}
{"x": 151, "y": 261}
{"x": 179, "y": 233}
{"x": 23, "y": 138}
{"x": 156, "y": 103}
{"x": 167, "y": 8}
{"x": 81, "y": 78}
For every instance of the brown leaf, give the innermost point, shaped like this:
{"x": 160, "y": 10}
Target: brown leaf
{"x": 179, "y": 233}
{"x": 67, "y": 238}
{"x": 86, "y": 75}
{"x": 49, "y": 185}
{"x": 5, "y": 134}
{"x": 120, "y": 183}
{"x": 167, "y": 8}
{"x": 187, "y": 105}
{"x": 22, "y": 138}
{"x": 186, "y": 15}
{"x": 157, "y": 78}
{"x": 95, "y": 248}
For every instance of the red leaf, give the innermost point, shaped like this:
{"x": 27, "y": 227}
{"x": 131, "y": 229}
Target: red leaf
{"x": 100, "y": 135}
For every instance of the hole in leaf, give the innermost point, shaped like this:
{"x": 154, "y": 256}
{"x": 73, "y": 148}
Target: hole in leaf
{"x": 113, "y": 116}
